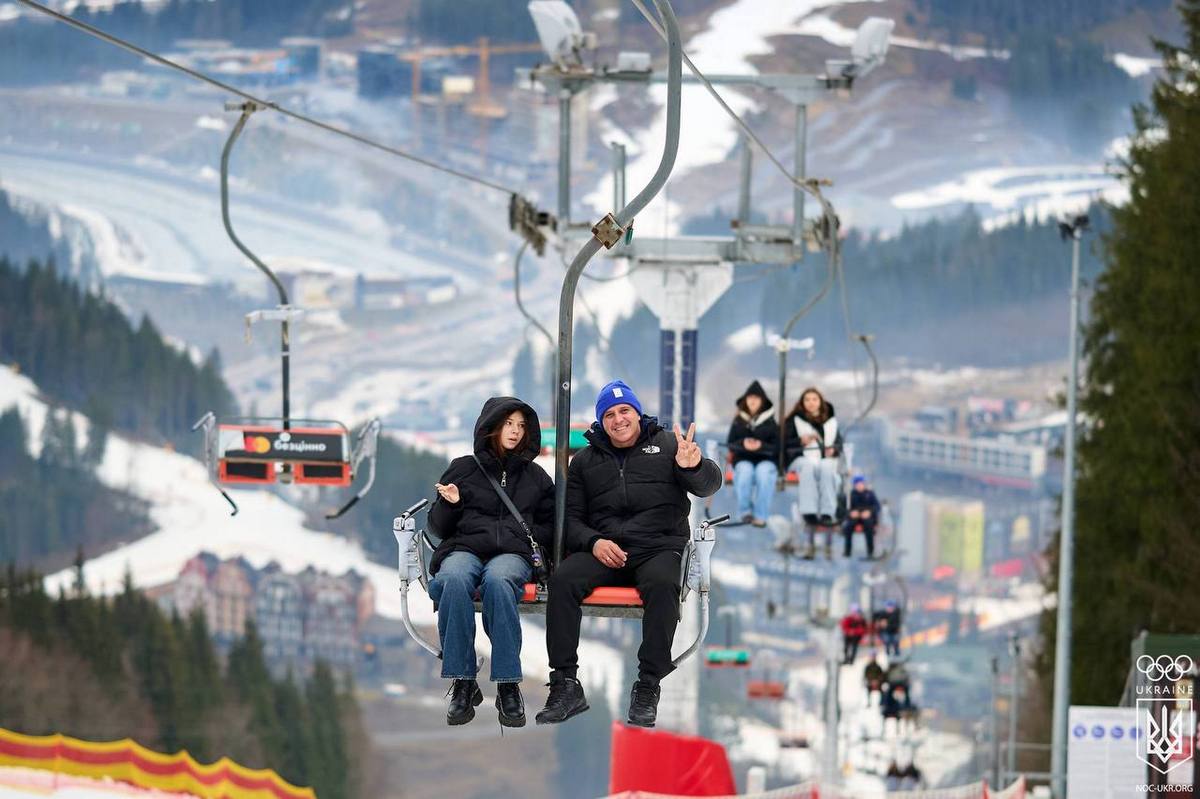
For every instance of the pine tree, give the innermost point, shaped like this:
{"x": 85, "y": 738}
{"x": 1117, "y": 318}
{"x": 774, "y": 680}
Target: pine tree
{"x": 1136, "y": 550}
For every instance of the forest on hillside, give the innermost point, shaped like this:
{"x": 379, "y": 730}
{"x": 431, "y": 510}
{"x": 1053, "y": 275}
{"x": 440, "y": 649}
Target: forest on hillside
{"x": 104, "y": 669}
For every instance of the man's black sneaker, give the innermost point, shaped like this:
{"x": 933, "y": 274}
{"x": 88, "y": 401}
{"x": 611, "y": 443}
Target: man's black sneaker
{"x": 566, "y": 699}
{"x": 510, "y": 704}
{"x": 643, "y": 704}
{"x": 465, "y": 696}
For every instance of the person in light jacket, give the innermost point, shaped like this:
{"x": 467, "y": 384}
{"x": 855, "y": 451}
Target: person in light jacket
{"x": 815, "y": 443}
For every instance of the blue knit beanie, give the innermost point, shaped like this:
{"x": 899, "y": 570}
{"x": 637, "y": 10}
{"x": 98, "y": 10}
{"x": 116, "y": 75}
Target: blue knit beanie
{"x": 616, "y": 393}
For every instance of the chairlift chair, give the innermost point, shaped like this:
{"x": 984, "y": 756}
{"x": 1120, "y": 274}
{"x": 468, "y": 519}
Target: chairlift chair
{"x": 268, "y": 449}
{"x": 416, "y": 548}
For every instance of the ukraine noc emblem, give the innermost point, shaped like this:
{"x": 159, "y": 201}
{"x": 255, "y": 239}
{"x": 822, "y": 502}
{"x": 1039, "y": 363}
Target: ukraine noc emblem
{"x": 1166, "y": 718}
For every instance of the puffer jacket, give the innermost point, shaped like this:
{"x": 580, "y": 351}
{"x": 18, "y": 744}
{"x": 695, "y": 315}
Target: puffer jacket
{"x": 798, "y": 425}
{"x": 761, "y": 426}
{"x": 479, "y": 522}
{"x": 637, "y": 496}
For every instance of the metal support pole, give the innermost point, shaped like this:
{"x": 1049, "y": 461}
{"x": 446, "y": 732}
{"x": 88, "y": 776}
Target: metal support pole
{"x": 787, "y": 579}
{"x": 995, "y": 731}
{"x": 1014, "y": 644}
{"x": 566, "y": 302}
{"x": 618, "y": 175}
{"x": 1066, "y": 551}
{"x": 832, "y": 668}
{"x": 781, "y": 409}
{"x": 677, "y": 381}
{"x": 798, "y": 193}
{"x": 564, "y": 157}
{"x": 743, "y": 213}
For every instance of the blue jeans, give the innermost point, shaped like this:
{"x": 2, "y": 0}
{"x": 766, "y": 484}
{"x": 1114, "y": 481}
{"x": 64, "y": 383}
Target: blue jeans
{"x": 499, "y": 583}
{"x": 757, "y": 481}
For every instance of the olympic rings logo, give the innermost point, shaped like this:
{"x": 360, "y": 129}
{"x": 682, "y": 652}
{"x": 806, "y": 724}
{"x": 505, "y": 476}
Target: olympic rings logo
{"x": 1164, "y": 667}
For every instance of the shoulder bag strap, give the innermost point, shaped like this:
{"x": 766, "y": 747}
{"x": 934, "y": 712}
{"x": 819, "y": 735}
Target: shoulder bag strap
{"x": 508, "y": 503}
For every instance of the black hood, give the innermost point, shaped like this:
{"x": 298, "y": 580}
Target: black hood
{"x": 494, "y": 411}
{"x": 596, "y": 434}
{"x": 755, "y": 389}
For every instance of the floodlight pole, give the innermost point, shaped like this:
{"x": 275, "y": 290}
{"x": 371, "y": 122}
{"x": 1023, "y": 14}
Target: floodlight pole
{"x": 1066, "y": 547}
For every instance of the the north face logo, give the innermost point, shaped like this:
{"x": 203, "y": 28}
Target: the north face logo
{"x": 652, "y": 449}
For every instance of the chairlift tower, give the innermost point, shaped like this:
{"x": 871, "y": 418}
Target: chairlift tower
{"x": 680, "y": 278}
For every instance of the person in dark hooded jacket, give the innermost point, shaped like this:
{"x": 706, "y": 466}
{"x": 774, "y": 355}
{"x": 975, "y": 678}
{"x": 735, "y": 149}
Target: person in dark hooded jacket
{"x": 754, "y": 448}
{"x": 484, "y": 550}
{"x": 627, "y": 525}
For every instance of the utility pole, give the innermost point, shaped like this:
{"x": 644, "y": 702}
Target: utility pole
{"x": 1066, "y": 548}
{"x": 995, "y": 731}
{"x": 1014, "y": 648}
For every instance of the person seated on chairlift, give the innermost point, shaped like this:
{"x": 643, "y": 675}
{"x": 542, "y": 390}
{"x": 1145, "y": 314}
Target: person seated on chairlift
{"x": 627, "y": 525}
{"x": 486, "y": 551}
{"x": 854, "y": 628}
{"x": 754, "y": 447}
{"x": 873, "y": 676}
{"x": 863, "y": 512}
{"x": 813, "y": 437}
{"x": 887, "y": 625}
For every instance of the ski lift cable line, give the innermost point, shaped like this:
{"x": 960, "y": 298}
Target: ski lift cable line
{"x": 334, "y": 129}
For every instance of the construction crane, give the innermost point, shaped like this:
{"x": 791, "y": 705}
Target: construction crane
{"x": 483, "y": 105}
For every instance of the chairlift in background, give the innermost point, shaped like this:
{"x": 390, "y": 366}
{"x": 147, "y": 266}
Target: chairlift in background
{"x": 264, "y": 450}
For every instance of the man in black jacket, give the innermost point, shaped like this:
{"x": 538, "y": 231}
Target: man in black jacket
{"x": 627, "y": 525}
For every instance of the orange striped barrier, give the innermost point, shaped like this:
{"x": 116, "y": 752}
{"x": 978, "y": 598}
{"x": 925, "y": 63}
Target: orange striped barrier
{"x": 132, "y": 763}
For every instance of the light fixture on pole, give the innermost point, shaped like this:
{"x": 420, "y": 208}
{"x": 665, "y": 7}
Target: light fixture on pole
{"x": 1072, "y": 230}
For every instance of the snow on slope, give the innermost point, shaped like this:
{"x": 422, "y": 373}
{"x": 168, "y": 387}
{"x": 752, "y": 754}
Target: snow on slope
{"x": 1040, "y": 190}
{"x": 735, "y": 34}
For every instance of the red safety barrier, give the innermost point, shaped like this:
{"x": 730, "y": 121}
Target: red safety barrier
{"x": 657, "y": 761}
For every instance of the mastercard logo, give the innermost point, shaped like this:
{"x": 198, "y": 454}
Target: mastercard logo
{"x": 259, "y": 444}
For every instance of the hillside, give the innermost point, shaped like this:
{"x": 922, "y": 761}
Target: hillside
{"x": 105, "y": 669}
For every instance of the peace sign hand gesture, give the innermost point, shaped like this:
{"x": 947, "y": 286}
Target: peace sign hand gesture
{"x": 687, "y": 452}
{"x": 448, "y": 492}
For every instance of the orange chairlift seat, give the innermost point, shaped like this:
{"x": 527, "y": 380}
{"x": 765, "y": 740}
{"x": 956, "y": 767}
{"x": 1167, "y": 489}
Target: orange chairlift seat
{"x": 765, "y": 689}
{"x": 266, "y": 450}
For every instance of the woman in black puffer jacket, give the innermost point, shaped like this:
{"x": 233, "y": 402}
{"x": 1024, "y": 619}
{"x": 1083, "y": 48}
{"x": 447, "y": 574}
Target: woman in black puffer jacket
{"x": 484, "y": 550}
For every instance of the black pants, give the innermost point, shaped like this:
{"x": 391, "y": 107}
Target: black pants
{"x": 850, "y": 647}
{"x": 868, "y": 527}
{"x": 654, "y": 574}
